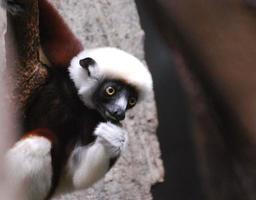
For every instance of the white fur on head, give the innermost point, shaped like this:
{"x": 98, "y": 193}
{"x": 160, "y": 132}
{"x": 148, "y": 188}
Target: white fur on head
{"x": 111, "y": 63}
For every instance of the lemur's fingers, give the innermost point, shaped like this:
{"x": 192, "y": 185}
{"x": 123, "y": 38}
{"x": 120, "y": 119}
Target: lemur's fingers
{"x": 29, "y": 165}
{"x": 14, "y": 7}
{"x": 112, "y": 136}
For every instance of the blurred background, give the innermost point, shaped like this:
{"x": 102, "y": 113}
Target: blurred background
{"x": 175, "y": 124}
{"x": 202, "y": 57}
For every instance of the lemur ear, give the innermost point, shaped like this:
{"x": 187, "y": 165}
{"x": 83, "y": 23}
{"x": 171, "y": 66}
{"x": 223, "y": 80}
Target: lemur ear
{"x": 86, "y": 62}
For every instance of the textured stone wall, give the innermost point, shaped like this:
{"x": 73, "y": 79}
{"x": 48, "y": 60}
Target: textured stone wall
{"x": 2, "y": 66}
{"x": 6, "y": 130}
{"x": 116, "y": 23}
{"x": 2, "y": 32}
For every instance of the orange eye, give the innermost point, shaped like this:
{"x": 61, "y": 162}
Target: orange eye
{"x": 132, "y": 101}
{"x": 110, "y": 91}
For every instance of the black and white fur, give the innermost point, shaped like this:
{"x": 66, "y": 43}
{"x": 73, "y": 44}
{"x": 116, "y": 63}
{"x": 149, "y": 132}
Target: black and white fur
{"x": 70, "y": 140}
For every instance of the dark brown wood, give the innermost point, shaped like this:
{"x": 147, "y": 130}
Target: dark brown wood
{"x": 217, "y": 40}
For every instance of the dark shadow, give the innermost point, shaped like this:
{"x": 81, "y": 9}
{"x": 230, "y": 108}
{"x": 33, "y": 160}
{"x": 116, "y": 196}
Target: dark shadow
{"x": 174, "y": 132}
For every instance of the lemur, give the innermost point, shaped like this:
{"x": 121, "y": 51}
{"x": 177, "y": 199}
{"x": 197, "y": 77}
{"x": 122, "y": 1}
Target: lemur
{"x": 72, "y": 126}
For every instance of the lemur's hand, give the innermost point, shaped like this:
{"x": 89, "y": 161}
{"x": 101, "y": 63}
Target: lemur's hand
{"x": 113, "y": 137}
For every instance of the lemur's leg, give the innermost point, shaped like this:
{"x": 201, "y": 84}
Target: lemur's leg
{"x": 90, "y": 163}
{"x": 58, "y": 42}
{"x": 29, "y": 165}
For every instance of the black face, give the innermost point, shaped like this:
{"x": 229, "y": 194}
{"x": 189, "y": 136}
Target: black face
{"x": 113, "y": 98}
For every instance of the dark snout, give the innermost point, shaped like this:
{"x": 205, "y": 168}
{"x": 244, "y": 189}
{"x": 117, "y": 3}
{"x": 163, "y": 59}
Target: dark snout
{"x": 115, "y": 113}
{"x": 115, "y": 109}
{"x": 118, "y": 113}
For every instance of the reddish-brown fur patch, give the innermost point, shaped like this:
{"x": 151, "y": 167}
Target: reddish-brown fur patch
{"x": 58, "y": 42}
{"x": 42, "y": 132}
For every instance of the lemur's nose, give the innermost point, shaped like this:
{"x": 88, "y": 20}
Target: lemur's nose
{"x": 119, "y": 114}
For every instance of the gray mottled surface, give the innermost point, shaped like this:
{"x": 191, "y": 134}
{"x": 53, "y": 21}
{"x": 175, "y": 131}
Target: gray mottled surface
{"x": 6, "y": 122}
{"x": 115, "y": 23}
{"x": 2, "y": 66}
{"x": 2, "y": 32}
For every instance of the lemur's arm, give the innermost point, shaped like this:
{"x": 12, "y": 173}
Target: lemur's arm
{"x": 88, "y": 164}
{"x": 58, "y": 42}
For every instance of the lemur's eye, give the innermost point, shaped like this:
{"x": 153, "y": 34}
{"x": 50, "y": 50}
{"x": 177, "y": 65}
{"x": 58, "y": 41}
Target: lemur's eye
{"x": 132, "y": 101}
{"x": 110, "y": 91}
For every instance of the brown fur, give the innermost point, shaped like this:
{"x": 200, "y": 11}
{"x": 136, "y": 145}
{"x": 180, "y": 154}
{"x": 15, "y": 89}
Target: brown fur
{"x": 58, "y": 42}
